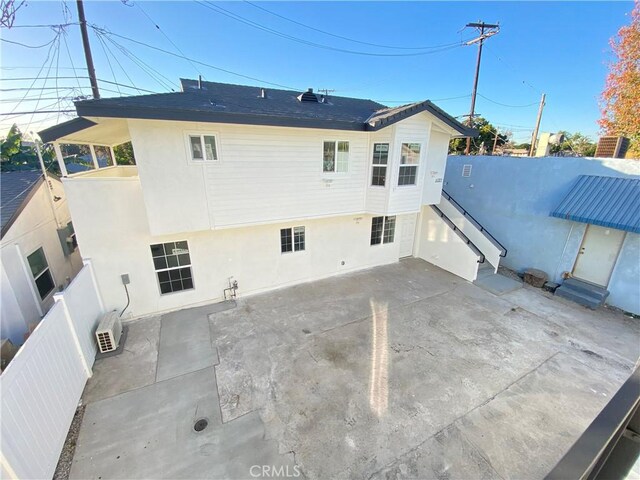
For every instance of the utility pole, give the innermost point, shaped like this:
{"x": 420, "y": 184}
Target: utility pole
{"x": 534, "y": 137}
{"x": 495, "y": 143}
{"x": 493, "y": 29}
{"x": 87, "y": 50}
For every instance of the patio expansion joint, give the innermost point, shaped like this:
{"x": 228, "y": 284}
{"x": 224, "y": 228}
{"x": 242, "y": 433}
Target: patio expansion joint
{"x": 460, "y": 417}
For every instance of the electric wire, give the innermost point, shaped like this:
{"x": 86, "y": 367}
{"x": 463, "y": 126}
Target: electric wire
{"x": 30, "y": 46}
{"x": 253, "y": 24}
{"x": 340, "y": 36}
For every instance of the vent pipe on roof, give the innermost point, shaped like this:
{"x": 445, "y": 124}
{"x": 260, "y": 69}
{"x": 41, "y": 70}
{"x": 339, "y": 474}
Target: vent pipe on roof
{"x": 199, "y": 82}
{"x": 263, "y": 93}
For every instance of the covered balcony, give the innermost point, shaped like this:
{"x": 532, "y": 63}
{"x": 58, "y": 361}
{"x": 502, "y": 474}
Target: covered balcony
{"x": 92, "y": 148}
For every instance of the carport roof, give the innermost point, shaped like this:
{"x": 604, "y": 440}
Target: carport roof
{"x": 610, "y": 202}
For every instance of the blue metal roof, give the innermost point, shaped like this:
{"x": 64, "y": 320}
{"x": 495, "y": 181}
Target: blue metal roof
{"x": 606, "y": 201}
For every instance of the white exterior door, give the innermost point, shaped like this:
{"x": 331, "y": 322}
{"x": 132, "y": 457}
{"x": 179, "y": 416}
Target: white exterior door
{"x": 598, "y": 254}
{"x": 407, "y": 234}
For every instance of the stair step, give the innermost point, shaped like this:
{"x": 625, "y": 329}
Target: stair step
{"x": 586, "y": 288}
{"x": 580, "y": 297}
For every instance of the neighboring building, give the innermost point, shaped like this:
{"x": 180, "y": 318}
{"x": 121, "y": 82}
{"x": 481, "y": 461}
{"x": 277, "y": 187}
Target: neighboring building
{"x": 576, "y": 217}
{"x": 267, "y": 187}
{"x": 38, "y": 249}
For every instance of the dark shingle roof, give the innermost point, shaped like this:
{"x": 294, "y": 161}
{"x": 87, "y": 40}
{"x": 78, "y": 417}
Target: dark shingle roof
{"x": 16, "y": 189}
{"x": 610, "y": 202}
{"x": 239, "y": 104}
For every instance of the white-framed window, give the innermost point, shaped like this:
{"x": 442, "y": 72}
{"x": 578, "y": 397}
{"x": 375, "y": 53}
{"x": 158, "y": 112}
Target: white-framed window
{"x": 383, "y": 230}
{"x": 335, "y": 156}
{"x": 173, "y": 266}
{"x": 292, "y": 239}
{"x": 379, "y": 161}
{"x": 203, "y": 147}
{"x": 41, "y": 273}
{"x": 409, "y": 160}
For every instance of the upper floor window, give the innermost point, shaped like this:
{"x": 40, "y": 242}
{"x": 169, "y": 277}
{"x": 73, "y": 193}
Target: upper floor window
{"x": 382, "y": 230}
{"x": 173, "y": 266}
{"x": 292, "y": 239}
{"x": 335, "y": 157}
{"x": 41, "y": 273}
{"x": 380, "y": 160}
{"x": 203, "y": 147}
{"x": 409, "y": 159}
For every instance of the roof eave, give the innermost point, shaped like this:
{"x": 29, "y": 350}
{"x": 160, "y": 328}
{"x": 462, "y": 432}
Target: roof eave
{"x": 66, "y": 128}
{"x": 145, "y": 113}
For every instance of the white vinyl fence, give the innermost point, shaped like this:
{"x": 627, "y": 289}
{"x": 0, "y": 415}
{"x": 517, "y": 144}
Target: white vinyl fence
{"x": 42, "y": 385}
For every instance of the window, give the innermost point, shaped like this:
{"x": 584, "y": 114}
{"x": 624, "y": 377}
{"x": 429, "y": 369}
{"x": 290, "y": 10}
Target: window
{"x": 203, "y": 147}
{"x": 409, "y": 159}
{"x": 292, "y": 239}
{"x": 173, "y": 266}
{"x": 335, "y": 157}
{"x": 380, "y": 159}
{"x": 41, "y": 274}
{"x": 382, "y": 230}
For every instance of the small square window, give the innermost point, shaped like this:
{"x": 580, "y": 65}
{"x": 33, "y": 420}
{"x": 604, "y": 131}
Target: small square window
{"x": 292, "y": 239}
{"x": 409, "y": 160}
{"x": 382, "y": 230}
{"x": 203, "y": 147}
{"x": 41, "y": 273}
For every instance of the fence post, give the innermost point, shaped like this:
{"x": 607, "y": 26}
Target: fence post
{"x": 59, "y": 298}
{"x": 87, "y": 262}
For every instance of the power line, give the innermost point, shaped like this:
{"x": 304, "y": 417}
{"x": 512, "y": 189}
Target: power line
{"x": 30, "y": 46}
{"x": 37, "y": 112}
{"x": 67, "y": 78}
{"x": 208, "y": 65}
{"x": 137, "y": 4}
{"x": 253, "y": 24}
{"x": 340, "y": 36}
{"x": 506, "y": 105}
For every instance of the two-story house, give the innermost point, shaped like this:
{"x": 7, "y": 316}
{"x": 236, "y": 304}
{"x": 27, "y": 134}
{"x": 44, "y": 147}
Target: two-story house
{"x": 267, "y": 187}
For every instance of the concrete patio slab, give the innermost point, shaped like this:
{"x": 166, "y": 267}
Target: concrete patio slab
{"x": 497, "y": 284}
{"x": 402, "y": 371}
{"x": 185, "y": 343}
{"x": 136, "y": 365}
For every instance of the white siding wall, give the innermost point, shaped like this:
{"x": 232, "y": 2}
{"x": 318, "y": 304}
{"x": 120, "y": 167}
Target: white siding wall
{"x": 265, "y": 174}
{"x": 117, "y": 240}
{"x": 407, "y": 198}
{"x": 436, "y": 165}
{"x": 35, "y": 227}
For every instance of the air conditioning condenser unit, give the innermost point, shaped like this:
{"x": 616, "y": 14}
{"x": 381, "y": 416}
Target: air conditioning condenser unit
{"x": 109, "y": 332}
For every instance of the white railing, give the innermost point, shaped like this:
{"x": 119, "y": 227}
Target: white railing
{"x": 42, "y": 385}
{"x": 492, "y": 253}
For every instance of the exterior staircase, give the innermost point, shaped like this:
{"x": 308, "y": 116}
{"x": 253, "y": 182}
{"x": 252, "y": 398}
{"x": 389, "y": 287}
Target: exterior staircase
{"x": 584, "y": 293}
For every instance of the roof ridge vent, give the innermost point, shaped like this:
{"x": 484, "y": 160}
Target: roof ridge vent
{"x": 308, "y": 96}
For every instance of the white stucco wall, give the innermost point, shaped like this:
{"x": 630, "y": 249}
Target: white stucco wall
{"x": 438, "y": 244}
{"x": 34, "y": 228}
{"x": 111, "y": 225}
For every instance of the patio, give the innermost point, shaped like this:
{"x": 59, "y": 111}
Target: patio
{"x": 401, "y": 371}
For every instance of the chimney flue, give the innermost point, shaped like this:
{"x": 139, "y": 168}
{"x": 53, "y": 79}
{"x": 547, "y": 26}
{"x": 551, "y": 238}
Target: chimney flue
{"x": 263, "y": 93}
{"x": 199, "y": 82}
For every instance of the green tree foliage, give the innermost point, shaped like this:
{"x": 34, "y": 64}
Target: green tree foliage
{"x": 485, "y": 139}
{"x": 124, "y": 154}
{"x": 15, "y": 155}
{"x": 575, "y": 144}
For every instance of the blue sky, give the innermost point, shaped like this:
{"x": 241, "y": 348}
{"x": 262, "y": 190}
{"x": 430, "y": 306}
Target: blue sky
{"x": 561, "y": 49}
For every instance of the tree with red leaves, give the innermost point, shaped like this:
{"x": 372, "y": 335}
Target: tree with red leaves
{"x": 620, "y": 101}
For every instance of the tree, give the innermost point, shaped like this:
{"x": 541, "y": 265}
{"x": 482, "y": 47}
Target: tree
{"x": 575, "y": 144}
{"x": 16, "y": 155}
{"x": 11, "y": 144}
{"x": 124, "y": 154}
{"x": 620, "y": 99}
{"x": 484, "y": 140}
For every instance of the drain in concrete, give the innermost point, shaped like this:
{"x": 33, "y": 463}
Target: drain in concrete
{"x": 200, "y": 424}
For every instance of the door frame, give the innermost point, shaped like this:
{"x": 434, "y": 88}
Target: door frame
{"x": 615, "y": 262}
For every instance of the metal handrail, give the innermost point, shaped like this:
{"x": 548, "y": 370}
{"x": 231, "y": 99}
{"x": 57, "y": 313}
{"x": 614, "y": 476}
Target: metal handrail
{"x": 462, "y": 236}
{"x": 477, "y": 224}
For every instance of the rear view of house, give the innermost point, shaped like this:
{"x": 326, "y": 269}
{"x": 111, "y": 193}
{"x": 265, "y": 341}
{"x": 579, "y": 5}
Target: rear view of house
{"x": 262, "y": 187}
